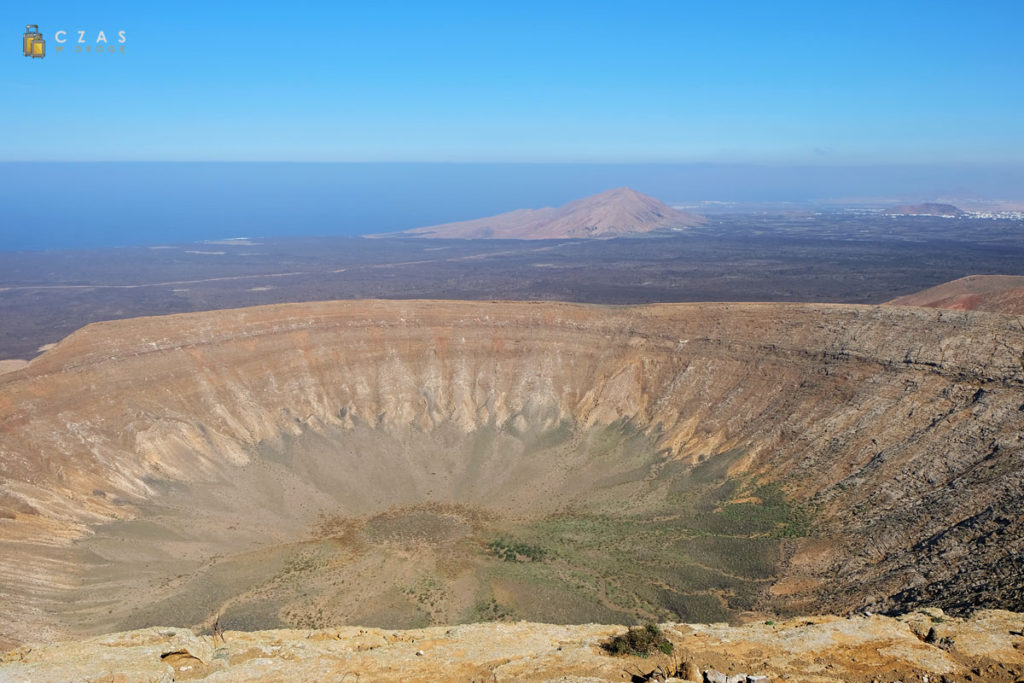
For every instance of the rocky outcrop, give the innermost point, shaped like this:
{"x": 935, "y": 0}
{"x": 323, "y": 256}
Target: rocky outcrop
{"x": 164, "y": 443}
{"x": 924, "y": 646}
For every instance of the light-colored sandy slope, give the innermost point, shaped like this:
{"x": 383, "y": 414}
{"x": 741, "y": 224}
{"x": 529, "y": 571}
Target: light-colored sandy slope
{"x": 621, "y": 211}
{"x": 815, "y": 649}
{"x": 12, "y": 365}
{"x": 902, "y": 426}
{"x": 994, "y": 293}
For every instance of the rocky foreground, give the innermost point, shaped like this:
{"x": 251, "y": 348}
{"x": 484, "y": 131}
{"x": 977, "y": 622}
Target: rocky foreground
{"x": 923, "y": 646}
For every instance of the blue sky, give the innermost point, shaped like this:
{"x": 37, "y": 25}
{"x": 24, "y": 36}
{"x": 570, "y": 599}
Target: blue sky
{"x": 727, "y": 82}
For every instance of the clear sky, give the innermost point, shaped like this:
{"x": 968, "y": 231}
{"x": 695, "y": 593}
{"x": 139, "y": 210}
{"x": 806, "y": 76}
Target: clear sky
{"x": 631, "y": 81}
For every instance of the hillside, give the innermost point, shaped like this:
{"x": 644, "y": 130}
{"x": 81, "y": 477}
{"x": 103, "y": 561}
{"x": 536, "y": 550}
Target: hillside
{"x": 993, "y": 293}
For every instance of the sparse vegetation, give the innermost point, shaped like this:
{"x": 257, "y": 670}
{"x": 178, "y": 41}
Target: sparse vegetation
{"x": 514, "y": 551}
{"x": 640, "y": 641}
{"x": 772, "y": 516}
{"x": 304, "y": 562}
{"x": 710, "y": 558}
{"x": 491, "y": 610}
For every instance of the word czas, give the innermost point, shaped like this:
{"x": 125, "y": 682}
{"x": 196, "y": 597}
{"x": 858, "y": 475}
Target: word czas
{"x": 87, "y": 43}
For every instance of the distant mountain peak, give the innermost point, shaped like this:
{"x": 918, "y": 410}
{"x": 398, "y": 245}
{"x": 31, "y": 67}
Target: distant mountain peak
{"x": 621, "y": 193}
{"x": 613, "y": 213}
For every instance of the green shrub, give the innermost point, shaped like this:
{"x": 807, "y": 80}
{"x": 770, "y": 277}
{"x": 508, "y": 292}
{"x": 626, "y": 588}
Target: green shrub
{"x": 513, "y": 551}
{"x": 640, "y": 641}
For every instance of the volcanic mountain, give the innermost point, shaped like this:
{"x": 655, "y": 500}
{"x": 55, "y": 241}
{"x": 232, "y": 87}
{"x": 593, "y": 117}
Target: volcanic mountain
{"x": 925, "y": 209}
{"x": 406, "y": 463}
{"x": 610, "y": 214}
{"x": 995, "y": 293}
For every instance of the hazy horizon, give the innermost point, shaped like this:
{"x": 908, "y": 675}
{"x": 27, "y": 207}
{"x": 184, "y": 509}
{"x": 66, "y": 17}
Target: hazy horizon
{"x": 72, "y": 205}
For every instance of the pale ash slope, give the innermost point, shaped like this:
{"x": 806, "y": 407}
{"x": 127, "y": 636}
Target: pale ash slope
{"x": 901, "y": 426}
{"x": 993, "y": 293}
{"x": 805, "y": 650}
{"x": 614, "y": 213}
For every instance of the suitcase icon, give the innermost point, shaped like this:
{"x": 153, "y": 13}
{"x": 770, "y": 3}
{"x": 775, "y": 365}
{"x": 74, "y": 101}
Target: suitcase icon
{"x": 32, "y": 43}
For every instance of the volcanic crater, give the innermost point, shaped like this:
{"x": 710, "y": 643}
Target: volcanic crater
{"x": 400, "y": 464}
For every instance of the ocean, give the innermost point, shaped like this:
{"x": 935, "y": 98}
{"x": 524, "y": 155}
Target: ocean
{"x": 51, "y": 205}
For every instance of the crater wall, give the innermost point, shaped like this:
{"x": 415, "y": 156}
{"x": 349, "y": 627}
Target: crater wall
{"x": 898, "y": 430}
